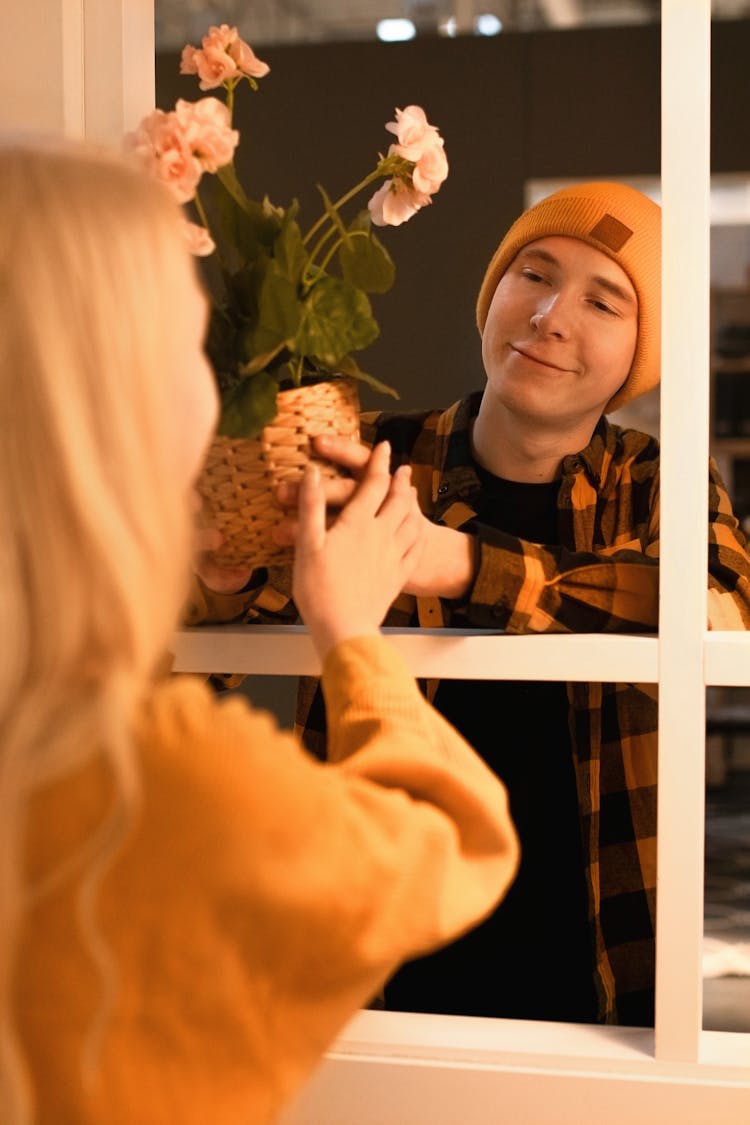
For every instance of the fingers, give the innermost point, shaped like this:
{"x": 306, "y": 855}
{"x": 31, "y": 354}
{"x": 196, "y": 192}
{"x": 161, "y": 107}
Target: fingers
{"x": 207, "y": 539}
{"x": 311, "y": 528}
{"x": 220, "y": 579}
{"x": 402, "y": 480}
{"x": 284, "y": 534}
{"x": 400, "y": 498}
{"x": 351, "y": 455}
{"x": 401, "y": 508}
{"x": 374, "y": 486}
{"x": 338, "y": 492}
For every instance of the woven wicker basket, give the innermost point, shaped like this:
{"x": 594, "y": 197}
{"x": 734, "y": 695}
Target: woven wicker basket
{"x": 240, "y": 475}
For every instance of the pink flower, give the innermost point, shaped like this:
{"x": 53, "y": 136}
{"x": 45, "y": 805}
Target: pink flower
{"x": 222, "y": 57}
{"x": 178, "y": 147}
{"x": 198, "y": 239}
{"x": 215, "y": 67}
{"x": 413, "y": 132}
{"x": 395, "y": 202}
{"x": 221, "y": 37}
{"x": 160, "y": 144}
{"x": 421, "y": 145}
{"x": 424, "y": 168}
{"x": 188, "y": 61}
{"x": 247, "y": 61}
{"x": 207, "y": 131}
{"x": 431, "y": 169}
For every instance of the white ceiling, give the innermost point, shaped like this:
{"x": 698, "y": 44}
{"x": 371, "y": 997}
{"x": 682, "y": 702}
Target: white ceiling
{"x": 299, "y": 21}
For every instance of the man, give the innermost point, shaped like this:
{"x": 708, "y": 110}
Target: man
{"x": 544, "y": 517}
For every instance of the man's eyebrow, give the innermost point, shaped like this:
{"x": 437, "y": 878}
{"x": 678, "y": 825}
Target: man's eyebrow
{"x": 603, "y": 282}
{"x": 537, "y": 252}
{"x": 615, "y": 289}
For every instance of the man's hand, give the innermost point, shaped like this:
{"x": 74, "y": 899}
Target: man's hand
{"x": 444, "y": 566}
{"x": 220, "y": 579}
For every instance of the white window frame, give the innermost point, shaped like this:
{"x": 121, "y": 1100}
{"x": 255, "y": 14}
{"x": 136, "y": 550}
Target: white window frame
{"x": 399, "y": 1068}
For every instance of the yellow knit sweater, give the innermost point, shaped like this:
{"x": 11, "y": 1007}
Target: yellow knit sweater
{"x": 260, "y": 899}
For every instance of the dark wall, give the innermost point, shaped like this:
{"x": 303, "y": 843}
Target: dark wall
{"x": 550, "y": 104}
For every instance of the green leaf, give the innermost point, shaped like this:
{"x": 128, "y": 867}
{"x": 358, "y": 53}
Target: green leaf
{"x": 258, "y": 362}
{"x": 272, "y": 211}
{"x": 336, "y": 319}
{"x": 249, "y": 406}
{"x": 365, "y": 262}
{"x": 228, "y": 178}
{"x": 278, "y": 314}
{"x": 241, "y": 228}
{"x": 289, "y": 253}
{"x": 221, "y": 343}
{"x": 348, "y": 366}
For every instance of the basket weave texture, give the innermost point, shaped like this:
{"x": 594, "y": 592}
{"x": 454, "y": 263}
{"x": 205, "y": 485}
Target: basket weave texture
{"x": 240, "y": 475}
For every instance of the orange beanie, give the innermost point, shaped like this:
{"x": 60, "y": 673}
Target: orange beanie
{"x": 626, "y": 226}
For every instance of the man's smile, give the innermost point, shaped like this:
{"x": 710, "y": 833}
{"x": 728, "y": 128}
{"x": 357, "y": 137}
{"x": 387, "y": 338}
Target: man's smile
{"x": 527, "y": 354}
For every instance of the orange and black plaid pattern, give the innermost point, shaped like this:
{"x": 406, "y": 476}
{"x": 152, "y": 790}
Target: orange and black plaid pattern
{"x": 602, "y": 578}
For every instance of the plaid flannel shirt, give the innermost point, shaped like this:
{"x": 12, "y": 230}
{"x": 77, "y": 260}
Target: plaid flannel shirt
{"x": 603, "y": 577}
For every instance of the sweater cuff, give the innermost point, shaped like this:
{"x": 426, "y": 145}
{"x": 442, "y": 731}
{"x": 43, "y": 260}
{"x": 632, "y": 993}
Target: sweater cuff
{"x": 358, "y": 659}
{"x": 369, "y": 674}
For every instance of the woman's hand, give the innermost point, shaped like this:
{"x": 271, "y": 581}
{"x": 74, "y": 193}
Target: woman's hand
{"x": 347, "y": 575}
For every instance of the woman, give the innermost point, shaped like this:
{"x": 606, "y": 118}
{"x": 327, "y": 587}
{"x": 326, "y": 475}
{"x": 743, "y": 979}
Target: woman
{"x": 191, "y": 906}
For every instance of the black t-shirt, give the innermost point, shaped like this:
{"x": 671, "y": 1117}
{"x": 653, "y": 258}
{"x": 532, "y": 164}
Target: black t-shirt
{"x": 532, "y": 959}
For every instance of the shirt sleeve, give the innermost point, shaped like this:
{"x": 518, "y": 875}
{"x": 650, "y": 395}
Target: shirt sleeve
{"x": 267, "y": 600}
{"x": 728, "y": 561}
{"x": 524, "y": 587}
{"x": 529, "y": 587}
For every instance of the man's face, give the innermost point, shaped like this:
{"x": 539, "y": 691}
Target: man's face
{"x": 561, "y": 332}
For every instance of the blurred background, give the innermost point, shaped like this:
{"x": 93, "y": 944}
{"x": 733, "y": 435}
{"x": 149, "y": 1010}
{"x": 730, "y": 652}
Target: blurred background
{"x": 311, "y": 21}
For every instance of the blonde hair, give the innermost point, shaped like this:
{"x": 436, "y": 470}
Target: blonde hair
{"x": 94, "y": 533}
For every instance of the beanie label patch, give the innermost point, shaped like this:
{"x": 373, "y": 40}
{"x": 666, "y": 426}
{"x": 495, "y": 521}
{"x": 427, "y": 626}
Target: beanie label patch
{"x": 611, "y": 232}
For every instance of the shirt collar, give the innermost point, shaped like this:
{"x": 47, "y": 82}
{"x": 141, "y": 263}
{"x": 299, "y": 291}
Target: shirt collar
{"x": 454, "y": 478}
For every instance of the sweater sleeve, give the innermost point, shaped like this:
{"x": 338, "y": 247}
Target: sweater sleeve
{"x": 397, "y": 844}
{"x": 308, "y": 883}
{"x": 382, "y": 730}
{"x": 259, "y": 899}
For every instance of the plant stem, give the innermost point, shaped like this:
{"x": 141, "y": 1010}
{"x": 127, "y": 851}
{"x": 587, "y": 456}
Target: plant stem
{"x": 381, "y": 170}
{"x": 319, "y": 245}
{"x": 333, "y": 250}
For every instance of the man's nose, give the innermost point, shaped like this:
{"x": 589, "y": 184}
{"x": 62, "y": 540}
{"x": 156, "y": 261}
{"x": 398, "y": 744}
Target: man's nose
{"x": 552, "y": 317}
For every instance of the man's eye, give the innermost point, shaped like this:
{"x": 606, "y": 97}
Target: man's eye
{"x": 532, "y": 275}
